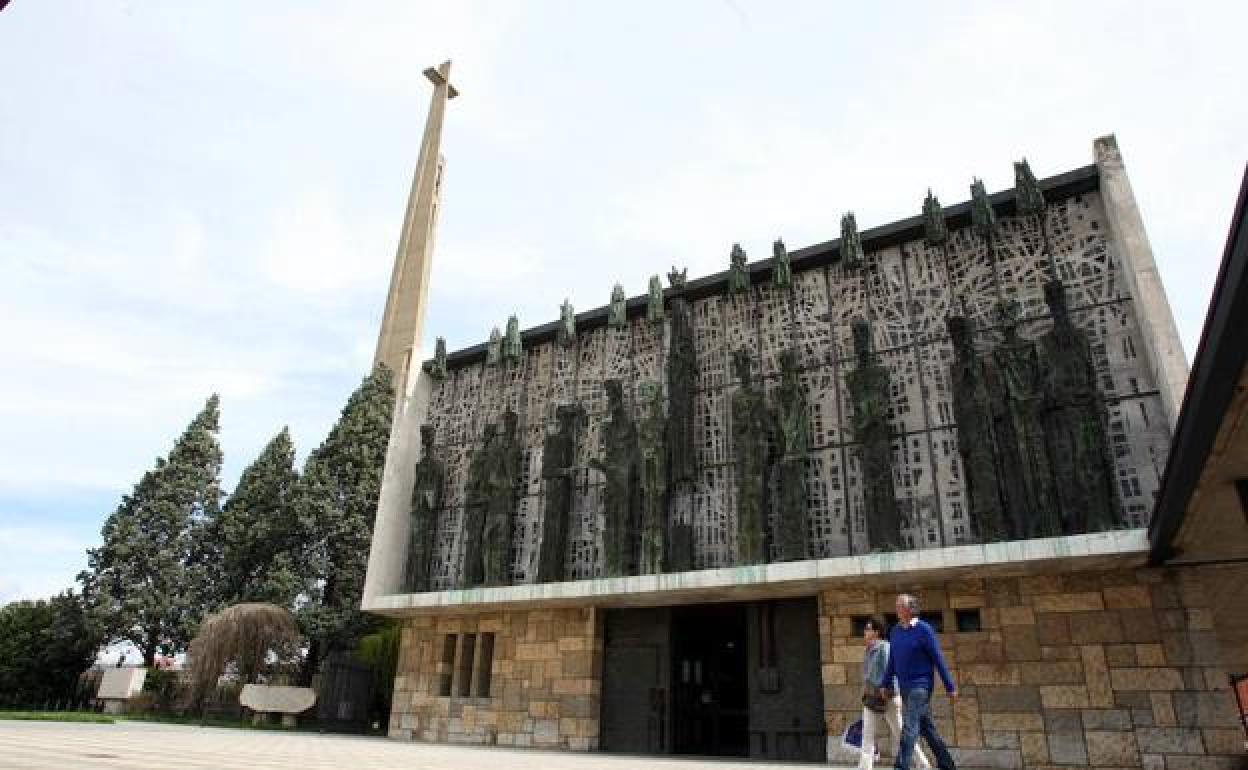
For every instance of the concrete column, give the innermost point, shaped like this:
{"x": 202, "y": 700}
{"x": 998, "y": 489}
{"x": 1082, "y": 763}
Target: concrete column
{"x": 388, "y": 554}
{"x": 1160, "y": 336}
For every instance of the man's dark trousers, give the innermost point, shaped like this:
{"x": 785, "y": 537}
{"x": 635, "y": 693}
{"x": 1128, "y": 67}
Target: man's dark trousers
{"x": 916, "y": 720}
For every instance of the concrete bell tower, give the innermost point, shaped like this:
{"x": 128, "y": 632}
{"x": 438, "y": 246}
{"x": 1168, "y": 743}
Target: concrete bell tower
{"x": 398, "y": 347}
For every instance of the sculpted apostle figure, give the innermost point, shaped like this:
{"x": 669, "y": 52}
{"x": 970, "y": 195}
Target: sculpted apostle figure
{"x": 502, "y": 496}
{"x": 682, "y": 375}
{"x": 653, "y": 476}
{"x": 977, "y": 441}
{"x": 1022, "y": 457}
{"x": 791, "y": 428}
{"x": 1076, "y": 424}
{"x": 870, "y": 390}
{"x": 426, "y": 504}
{"x": 749, "y": 452}
{"x": 558, "y": 459}
{"x": 476, "y": 500}
{"x": 619, "y": 464}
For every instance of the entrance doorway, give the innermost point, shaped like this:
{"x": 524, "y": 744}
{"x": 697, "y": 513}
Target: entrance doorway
{"x": 710, "y": 681}
{"x": 733, "y": 679}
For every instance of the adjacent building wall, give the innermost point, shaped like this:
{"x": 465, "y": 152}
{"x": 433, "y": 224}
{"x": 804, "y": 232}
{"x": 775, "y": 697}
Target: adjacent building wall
{"x": 1100, "y": 669}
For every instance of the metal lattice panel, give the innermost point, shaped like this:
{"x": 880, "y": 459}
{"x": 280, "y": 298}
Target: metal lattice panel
{"x": 714, "y": 528}
{"x": 913, "y": 481}
{"x": 971, "y": 278}
{"x": 585, "y": 534}
{"x": 931, "y": 300}
{"x": 562, "y": 388}
{"x": 590, "y": 373}
{"x": 446, "y": 539}
{"x": 820, "y": 385}
{"x": 712, "y": 427}
{"x": 811, "y": 331}
{"x": 617, "y": 354}
{"x": 537, "y": 385}
{"x": 887, "y": 300}
{"x": 775, "y": 328}
{"x": 1022, "y": 266}
{"x": 846, "y": 303}
{"x": 709, "y": 344}
{"x": 907, "y": 292}
{"x": 825, "y": 501}
{"x": 526, "y": 534}
{"x": 950, "y": 486}
{"x": 741, "y": 326}
{"x": 647, "y": 351}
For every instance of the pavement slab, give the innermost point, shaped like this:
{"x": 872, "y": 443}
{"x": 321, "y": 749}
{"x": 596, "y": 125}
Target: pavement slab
{"x": 129, "y": 745}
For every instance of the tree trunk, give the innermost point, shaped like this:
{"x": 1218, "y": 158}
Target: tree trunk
{"x": 310, "y": 664}
{"x": 150, "y": 649}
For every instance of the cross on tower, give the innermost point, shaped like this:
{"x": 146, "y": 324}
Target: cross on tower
{"x": 404, "y": 318}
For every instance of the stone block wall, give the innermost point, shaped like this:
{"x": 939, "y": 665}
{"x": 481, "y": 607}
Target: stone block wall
{"x": 1095, "y": 669}
{"x": 544, "y": 679}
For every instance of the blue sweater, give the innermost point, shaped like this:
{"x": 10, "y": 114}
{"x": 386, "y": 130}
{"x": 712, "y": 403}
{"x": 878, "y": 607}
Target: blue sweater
{"x": 914, "y": 652}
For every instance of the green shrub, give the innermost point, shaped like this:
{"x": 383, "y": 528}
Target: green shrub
{"x": 381, "y": 651}
{"x": 165, "y": 689}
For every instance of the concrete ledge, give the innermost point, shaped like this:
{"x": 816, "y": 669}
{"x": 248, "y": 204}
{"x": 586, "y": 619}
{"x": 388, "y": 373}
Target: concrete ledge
{"x": 1103, "y": 550}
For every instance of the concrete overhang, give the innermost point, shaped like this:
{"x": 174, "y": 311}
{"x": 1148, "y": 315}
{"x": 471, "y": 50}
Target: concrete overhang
{"x": 902, "y": 569}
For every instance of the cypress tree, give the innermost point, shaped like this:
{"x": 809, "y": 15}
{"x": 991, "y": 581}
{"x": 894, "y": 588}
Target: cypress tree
{"x": 137, "y": 581}
{"x": 337, "y": 502}
{"x": 252, "y": 551}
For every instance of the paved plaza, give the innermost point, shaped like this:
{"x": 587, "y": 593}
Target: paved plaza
{"x": 52, "y": 745}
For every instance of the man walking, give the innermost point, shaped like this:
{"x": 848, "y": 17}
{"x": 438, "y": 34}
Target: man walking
{"x": 914, "y": 653}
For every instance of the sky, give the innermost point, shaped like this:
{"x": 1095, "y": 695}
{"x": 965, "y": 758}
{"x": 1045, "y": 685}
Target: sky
{"x": 206, "y": 197}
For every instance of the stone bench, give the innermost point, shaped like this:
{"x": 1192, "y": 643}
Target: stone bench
{"x": 264, "y": 699}
{"x": 119, "y": 685}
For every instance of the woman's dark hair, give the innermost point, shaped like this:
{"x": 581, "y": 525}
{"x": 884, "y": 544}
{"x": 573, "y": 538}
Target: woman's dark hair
{"x": 877, "y": 623}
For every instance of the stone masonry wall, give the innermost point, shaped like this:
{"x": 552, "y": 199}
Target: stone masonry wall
{"x": 1099, "y": 669}
{"x": 544, "y": 681}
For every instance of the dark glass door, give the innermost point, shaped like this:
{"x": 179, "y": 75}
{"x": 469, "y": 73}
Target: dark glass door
{"x": 710, "y": 681}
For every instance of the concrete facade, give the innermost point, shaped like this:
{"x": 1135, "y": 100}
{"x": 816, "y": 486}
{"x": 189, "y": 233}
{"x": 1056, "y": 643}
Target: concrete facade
{"x": 1069, "y": 651}
{"x": 906, "y": 288}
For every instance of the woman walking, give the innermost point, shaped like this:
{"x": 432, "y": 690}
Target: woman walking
{"x": 876, "y": 709}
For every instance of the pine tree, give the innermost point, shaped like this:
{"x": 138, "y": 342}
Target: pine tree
{"x": 252, "y": 552}
{"x": 138, "y": 581}
{"x": 337, "y": 502}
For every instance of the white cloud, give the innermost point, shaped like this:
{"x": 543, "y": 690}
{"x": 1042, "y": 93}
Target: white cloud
{"x": 35, "y": 561}
{"x": 310, "y": 248}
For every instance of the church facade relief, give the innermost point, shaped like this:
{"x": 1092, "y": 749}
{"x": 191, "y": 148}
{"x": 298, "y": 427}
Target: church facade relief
{"x": 788, "y": 410}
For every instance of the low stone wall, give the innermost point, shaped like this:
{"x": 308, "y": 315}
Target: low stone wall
{"x": 544, "y": 683}
{"x": 1100, "y": 669}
